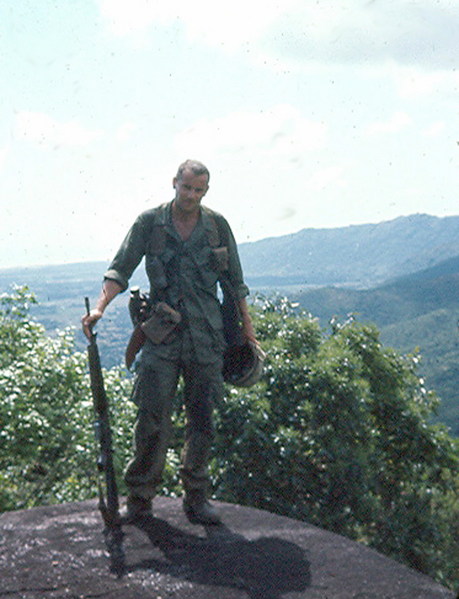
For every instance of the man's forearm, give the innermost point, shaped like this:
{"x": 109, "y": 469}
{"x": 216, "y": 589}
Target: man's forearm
{"x": 247, "y": 327}
{"x": 110, "y": 290}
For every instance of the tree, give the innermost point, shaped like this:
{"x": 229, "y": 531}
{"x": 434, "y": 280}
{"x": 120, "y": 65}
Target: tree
{"x": 47, "y": 442}
{"x": 48, "y": 451}
{"x": 338, "y": 433}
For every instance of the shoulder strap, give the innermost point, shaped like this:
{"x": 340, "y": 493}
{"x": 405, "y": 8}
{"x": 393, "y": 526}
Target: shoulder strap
{"x": 216, "y": 235}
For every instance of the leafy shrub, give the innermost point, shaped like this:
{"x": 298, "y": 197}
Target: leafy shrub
{"x": 48, "y": 449}
{"x": 337, "y": 433}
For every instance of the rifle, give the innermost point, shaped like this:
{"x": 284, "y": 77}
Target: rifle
{"x": 108, "y": 492}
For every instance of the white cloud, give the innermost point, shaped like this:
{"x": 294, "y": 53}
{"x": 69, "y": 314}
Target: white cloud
{"x": 128, "y": 16}
{"x": 326, "y": 177}
{"x": 124, "y": 133}
{"x": 230, "y": 24}
{"x": 412, "y": 83}
{"x": 46, "y": 131}
{"x": 435, "y": 129}
{"x": 417, "y": 32}
{"x": 221, "y": 24}
{"x": 282, "y": 131}
{"x": 396, "y": 123}
{"x": 357, "y": 31}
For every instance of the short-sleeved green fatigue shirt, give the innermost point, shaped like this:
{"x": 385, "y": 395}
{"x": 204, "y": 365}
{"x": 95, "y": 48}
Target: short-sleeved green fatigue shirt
{"x": 183, "y": 274}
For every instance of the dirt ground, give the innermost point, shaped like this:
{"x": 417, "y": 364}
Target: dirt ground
{"x": 60, "y": 552}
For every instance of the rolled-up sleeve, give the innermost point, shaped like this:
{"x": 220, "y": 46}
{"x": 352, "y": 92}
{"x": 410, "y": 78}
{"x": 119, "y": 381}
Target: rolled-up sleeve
{"x": 129, "y": 254}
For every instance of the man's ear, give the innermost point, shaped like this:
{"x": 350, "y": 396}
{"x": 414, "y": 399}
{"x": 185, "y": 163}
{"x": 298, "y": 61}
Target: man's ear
{"x": 174, "y": 182}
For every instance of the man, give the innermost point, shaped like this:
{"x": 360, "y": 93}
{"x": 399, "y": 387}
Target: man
{"x": 186, "y": 246}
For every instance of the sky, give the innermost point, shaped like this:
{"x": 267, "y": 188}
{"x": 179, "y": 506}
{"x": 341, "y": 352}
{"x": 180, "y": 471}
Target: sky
{"x": 308, "y": 113}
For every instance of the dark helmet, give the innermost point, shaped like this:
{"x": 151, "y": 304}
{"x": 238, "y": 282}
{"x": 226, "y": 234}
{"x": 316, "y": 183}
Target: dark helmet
{"x": 243, "y": 364}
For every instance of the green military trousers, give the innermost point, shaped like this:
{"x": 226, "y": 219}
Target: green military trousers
{"x": 154, "y": 391}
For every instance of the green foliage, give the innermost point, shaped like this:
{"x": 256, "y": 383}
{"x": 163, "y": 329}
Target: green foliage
{"x": 336, "y": 433}
{"x": 436, "y": 333}
{"x": 41, "y": 390}
{"x": 47, "y": 447}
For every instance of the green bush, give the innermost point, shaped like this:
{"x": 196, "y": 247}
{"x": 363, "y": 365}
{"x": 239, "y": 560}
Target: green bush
{"x": 337, "y": 433}
{"x": 44, "y": 453}
{"x": 48, "y": 449}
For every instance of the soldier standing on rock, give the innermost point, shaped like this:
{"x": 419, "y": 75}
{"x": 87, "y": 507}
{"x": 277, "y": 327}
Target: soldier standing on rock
{"x": 186, "y": 246}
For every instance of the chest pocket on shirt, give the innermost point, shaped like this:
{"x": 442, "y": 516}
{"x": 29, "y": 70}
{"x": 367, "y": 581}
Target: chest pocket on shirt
{"x": 208, "y": 261}
{"x": 207, "y": 267}
{"x": 220, "y": 259}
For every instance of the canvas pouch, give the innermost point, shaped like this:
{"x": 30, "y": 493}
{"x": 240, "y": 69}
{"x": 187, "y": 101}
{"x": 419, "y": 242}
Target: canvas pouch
{"x": 161, "y": 323}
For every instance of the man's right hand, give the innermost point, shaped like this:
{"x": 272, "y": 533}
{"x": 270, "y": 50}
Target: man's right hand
{"x": 88, "y": 321}
{"x": 110, "y": 289}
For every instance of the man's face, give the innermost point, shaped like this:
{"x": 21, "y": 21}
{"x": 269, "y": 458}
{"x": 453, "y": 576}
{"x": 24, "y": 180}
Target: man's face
{"x": 189, "y": 190}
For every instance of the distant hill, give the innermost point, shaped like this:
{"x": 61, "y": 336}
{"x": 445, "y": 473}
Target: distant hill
{"x": 416, "y": 312}
{"x": 360, "y": 255}
{"x": 396, "y": 301}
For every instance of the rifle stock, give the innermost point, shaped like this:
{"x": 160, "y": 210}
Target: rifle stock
{"x": 108, "y": 492}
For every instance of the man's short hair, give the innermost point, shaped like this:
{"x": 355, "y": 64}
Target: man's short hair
{"x": 196, "y": 167}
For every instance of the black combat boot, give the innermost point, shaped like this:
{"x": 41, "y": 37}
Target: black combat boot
{"x": 137, "y": 508}
{"x": 198, "y": 510}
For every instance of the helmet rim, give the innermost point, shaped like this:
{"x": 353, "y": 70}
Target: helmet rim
{"x": 243, "y": 364}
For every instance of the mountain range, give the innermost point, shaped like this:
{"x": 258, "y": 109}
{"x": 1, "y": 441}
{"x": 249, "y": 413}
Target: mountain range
{"x": 359, "y": 255}
{"x": 402, "y": 275}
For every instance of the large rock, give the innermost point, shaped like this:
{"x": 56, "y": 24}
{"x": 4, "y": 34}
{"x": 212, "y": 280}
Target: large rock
{"x": 59, "y": 551}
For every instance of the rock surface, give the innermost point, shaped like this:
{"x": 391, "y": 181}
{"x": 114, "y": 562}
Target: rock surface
{"x": 59, "y": 551}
